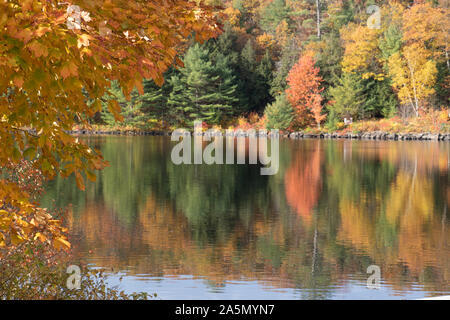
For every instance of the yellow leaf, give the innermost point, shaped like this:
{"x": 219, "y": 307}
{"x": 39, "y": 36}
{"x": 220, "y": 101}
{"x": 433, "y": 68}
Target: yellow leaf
{"x": 61, "y": 243}
{"x": 16, "y": 238}
{"x": 40, "y": 236}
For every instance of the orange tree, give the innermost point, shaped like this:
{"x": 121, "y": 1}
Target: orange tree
{"x": 303, "y": 92}
{"x": 56, "y": 62}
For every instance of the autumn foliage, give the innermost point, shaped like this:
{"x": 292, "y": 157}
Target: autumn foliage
{"x": 57, "y": 60}
{"x": 303, "y": 182}
{"x": 304, "y": 92}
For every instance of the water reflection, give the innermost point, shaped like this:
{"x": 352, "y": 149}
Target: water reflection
{"x": 333, "y": 209}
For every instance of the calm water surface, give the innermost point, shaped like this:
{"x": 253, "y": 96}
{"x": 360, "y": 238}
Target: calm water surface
{"x": 226, "y": 232}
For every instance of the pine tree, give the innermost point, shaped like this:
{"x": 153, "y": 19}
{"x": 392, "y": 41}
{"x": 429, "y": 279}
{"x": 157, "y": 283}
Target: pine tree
{"x": 348, "y": 96}
{"x": 289, "y": 55}
{"x": 391, "y": 41}
{"x": 225, "y": 55}
{"x": 204, "y": 91}
{"x": 273, "y": 14}
{"x": 255, "y": 79}
{"x": 380, "y": 99}
{"x": 248, "y": 78}
{"x": 226, "y": 89}
{"x": 265, "y": 72}
{"x": 248, "y": 56}
{"x": 225, "y": 44}
{"x": 155, "y": 100}
{"x": 329, "y": 59}
{"x": 279, "y": 114}
{"x": 179, "y": 101}
{"x": 131, "y": 110}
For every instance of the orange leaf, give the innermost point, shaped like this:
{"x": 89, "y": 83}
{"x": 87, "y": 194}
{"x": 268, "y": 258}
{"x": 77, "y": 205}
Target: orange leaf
{"x": 80, "y": 181}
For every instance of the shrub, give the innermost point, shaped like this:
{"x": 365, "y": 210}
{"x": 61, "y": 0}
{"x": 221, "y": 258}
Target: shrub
{"x": 34, "y": 271}
{"x": 34, "y": 250}
{"x": 253, "y": 121}
{"x": 435, "y": 121}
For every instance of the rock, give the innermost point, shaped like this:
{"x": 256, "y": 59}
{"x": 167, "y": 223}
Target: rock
{"x": 392, "y": 136}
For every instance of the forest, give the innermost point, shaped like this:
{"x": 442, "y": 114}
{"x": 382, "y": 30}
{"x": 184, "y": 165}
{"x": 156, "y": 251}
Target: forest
{"x": 309, "y": 64}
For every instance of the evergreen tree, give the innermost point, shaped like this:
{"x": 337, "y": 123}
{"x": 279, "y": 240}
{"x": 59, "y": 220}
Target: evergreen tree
{"x": 348, "y": 97}
{"x": 391, "y": 41}
{"x": 225, "y": 44}
{"x": 255, "y": 79}
{"x": 442, "y": 87}
{"x": 248, "y": 79}
{"x": 203, "y": 91}
{"x": 279, "y": 114}
{"x": 155, "y": 100}
{"x": 131, "y": 110}
{"x": 273, "y": 14}
{"x": 225, "y": 55}
{"x": 380, "y": 99}
{"x": 265, "y": 72}
{"x": 227, "y": 89}
{"x": 248, "y": 56}
{"x": 329, "y": 59}
{"x": 179, "y": 101}
{"x": 289, "y": 56}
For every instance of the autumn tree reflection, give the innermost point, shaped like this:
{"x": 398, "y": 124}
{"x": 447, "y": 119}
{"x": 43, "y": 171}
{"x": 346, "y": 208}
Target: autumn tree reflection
{"x": 303, "y": 180}
{"x": 334, "y": 208}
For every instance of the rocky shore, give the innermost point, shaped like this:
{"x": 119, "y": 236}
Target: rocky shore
{"x": 119, "y": 133}
{"x": 377, "y": 135}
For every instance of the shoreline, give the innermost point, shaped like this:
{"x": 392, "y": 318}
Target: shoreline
{"x": 376, "y": 135}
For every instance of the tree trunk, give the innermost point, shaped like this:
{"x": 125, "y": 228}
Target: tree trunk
{"x": 446, "y": 58}
{"x": 413, "y": 83}
{"x": 318, "y": 17}
{"x": 313, "y": 266}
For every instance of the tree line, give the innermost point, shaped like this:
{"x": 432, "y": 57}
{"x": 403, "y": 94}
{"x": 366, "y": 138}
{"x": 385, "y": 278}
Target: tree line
{"x": 298, "y": 64}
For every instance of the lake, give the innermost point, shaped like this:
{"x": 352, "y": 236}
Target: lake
{"x": 311, "y": 231}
